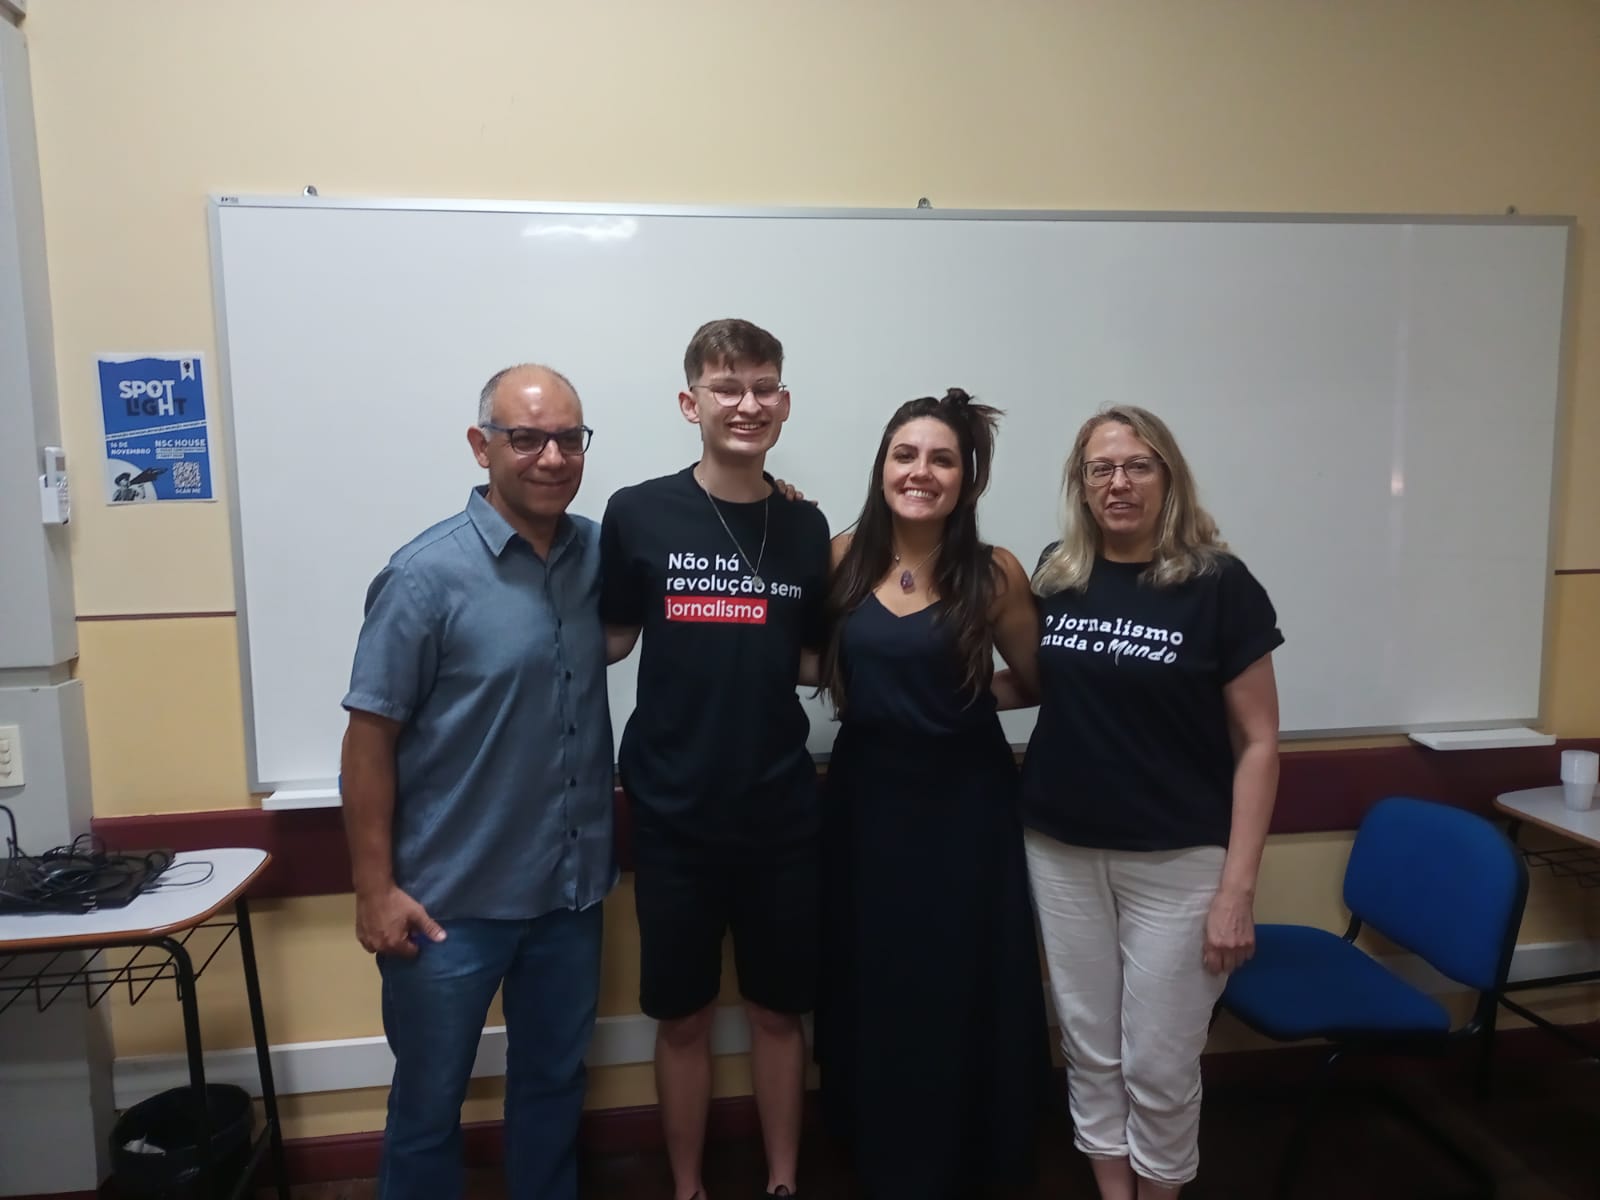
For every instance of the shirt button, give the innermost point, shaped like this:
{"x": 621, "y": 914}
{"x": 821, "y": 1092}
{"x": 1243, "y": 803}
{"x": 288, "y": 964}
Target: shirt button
{"x": 572, "y": 782}
{"x": 572, "y": 729}
{"x": 569, "y": 674}
{"x": 573, "y": 834}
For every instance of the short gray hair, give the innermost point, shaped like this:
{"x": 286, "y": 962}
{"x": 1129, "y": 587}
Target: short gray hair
{"x": 486, "y": 396}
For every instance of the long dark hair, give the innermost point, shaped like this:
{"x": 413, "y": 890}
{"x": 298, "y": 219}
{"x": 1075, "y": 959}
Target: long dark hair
{"x": 963, "y": 572}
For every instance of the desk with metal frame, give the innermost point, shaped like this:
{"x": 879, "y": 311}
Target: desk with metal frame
{"x": 1578, "y": 862}
{"x": 60, "y": 951}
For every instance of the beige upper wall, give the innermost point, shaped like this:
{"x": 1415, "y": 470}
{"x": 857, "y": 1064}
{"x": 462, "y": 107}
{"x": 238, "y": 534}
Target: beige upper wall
{"x": 1428, "y": 106}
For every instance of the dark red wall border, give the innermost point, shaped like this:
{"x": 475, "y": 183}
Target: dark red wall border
{"x": 1331, "y": 790}
{"x": 1319, "y": 790}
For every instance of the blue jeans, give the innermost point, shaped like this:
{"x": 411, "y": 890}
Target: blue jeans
{"x": 434, "y": 1007}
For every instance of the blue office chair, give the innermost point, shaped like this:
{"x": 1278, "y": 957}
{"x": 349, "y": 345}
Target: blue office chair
{"x": 1442, "y": 883}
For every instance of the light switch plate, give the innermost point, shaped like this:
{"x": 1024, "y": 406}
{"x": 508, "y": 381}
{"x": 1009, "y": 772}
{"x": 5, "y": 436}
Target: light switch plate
{"x": 10, "y": 756}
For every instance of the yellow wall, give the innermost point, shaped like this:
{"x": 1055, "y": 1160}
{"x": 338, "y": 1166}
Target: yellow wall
{"x": 143, "y": 109}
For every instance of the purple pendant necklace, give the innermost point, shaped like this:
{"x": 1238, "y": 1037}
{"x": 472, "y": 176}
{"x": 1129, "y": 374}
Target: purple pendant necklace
{"x": 908, "y": 576}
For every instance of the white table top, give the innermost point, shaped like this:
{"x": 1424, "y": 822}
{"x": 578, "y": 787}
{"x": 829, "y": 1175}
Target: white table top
{"x": 169, "y": 904}
{"x": 1543, "y": 806}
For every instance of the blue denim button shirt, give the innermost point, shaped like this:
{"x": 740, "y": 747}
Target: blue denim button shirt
{"x": 493, "y": 660}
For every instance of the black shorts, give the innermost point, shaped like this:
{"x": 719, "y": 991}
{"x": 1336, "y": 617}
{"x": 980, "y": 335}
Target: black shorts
{"x": 770, "y": 899}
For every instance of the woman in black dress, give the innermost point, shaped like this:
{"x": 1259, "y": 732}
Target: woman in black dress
{"x": 930, "y": 1023}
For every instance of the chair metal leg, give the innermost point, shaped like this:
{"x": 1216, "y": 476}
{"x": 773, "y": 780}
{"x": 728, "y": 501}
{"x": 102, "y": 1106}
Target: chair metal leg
{"x": 1551, "y": 1027}
{"x": 1483, "y": 1081}
{"x": 1300, "y": 1137}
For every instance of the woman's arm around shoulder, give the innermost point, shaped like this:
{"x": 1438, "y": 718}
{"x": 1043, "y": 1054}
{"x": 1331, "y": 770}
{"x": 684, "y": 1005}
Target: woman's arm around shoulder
{"x": 1014, "y": 619}
{"x": 810, "y": 660}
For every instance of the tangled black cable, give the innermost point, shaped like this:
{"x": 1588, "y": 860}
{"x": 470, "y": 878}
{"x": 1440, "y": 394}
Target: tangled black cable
{"x": 70, "y": 878}
{"x": 169, "y": 884}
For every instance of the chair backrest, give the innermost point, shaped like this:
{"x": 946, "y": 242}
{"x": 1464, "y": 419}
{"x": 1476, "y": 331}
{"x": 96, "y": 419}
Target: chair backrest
{"x": 1442, "y": 883}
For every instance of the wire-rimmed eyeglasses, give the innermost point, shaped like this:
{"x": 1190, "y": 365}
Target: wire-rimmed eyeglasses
{"x": 1098, "y": 473}
{"x": 729, "y": 394}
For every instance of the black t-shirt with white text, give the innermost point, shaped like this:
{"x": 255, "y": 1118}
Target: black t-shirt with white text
{"x": 1131, "y": 750}
{"x": 715, "y": 750}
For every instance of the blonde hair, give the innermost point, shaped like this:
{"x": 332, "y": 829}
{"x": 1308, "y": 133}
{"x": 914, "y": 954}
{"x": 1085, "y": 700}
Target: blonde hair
{"x": 1187, "y": 542}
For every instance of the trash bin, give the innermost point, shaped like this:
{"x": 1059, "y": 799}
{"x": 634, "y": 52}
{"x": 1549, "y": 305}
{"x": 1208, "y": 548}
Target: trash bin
{"x": 155, "y": 1153}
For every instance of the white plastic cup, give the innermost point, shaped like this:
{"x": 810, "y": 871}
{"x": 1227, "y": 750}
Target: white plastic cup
{"x": 1580, "y": 770}
{"x": 1578, "y": 797}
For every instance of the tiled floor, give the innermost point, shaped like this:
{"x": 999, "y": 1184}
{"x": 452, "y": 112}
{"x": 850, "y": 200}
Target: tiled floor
{"x": 1540, "y": 1133}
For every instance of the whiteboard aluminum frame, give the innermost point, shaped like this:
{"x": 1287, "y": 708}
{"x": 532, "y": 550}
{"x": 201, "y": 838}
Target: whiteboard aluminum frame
{"x": 1565, "y": 365}
{"x": 224, "y": 392}
{"x": 597, "y": 209}
{"x": 218, "y": 202}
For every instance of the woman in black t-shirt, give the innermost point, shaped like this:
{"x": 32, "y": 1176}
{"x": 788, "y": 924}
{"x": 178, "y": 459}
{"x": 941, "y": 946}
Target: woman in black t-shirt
{"x": 1147, "y": 792}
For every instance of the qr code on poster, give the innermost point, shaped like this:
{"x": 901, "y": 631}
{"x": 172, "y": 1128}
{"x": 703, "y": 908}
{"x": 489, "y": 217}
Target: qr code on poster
{"x": 186, "y": 476}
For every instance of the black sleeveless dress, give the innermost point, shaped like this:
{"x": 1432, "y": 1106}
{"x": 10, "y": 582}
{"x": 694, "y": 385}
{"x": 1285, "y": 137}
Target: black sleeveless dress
{"x": 930, "y": 1026}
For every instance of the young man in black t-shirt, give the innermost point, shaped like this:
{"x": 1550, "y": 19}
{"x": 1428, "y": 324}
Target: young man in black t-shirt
{"x": 726, "y": 578}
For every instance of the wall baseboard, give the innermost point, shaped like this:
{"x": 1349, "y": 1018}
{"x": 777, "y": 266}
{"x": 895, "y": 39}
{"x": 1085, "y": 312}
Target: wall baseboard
{"x": 299, "y": 1068}
{"x": 344, "y": 1064}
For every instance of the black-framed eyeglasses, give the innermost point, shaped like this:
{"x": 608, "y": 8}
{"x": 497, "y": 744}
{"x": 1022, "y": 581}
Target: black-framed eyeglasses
{"x": 525, "y": 439}
{"x": 1099, "y": 473}
{"x": 730, "y": 394}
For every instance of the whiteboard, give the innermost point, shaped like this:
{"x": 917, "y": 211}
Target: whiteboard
{"x": 1369, "y": 405}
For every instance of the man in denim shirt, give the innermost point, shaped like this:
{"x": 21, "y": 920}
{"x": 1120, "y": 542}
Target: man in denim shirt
{"x": 477, "y": 779}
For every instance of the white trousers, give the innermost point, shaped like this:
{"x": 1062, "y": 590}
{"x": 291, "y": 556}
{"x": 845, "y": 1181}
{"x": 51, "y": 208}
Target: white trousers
{"x": 1124, "y": 932}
